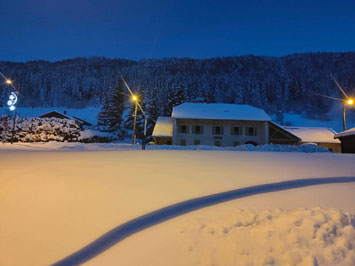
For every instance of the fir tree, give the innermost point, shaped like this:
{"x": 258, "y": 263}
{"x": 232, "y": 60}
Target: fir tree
{"x": 110, "y": 116}
{"x": 176, "y": 97}
{"x": 152, "y": 110}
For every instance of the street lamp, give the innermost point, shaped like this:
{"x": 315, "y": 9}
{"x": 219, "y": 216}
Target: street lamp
{"x": 135, "y": 100}
{"x": 12, "y": 102}
{"x": 350, "y": 102}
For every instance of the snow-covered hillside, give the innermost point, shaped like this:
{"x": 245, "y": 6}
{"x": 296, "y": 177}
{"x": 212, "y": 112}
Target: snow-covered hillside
{"x": 52, "y": 203}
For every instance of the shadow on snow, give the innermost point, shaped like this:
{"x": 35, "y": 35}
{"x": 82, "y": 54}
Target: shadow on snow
{"x": 145, "y": 221}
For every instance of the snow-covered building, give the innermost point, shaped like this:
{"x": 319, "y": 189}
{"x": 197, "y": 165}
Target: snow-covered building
{"x": 347, "y": 139}
{"x": 213, "y": 124}
{"x": 322, "y": 136}
{"x": 55, "y": 114}
{"x": 163, "y": 131}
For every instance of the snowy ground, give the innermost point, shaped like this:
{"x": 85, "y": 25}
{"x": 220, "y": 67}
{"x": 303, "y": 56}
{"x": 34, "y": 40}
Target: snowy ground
{"x": 55, "y": 202}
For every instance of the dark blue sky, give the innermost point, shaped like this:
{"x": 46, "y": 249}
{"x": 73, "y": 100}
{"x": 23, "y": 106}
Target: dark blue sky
{"x": 60, "y": 29}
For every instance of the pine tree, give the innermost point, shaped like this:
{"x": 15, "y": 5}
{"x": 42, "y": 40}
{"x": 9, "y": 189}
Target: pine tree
{"x": 110, "y": 116}
{"x": 176, "y": 97}
{"x": 152, "y": 110}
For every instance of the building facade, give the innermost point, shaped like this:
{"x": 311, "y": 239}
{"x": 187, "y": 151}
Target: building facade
{"x": 213, "y": 124}
{"x": 219, "y": 132}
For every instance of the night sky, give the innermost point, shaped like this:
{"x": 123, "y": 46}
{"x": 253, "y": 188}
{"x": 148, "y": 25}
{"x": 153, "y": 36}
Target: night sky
{"x": 60, "y": 29}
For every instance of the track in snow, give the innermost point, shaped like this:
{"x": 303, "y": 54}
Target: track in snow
{"x": 150, "y": 219}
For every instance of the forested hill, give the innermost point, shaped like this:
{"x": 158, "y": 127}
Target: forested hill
{"x": 288, "y": 83}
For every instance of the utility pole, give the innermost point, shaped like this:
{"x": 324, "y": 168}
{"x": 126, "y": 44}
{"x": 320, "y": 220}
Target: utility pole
{"x": 344, "y": 118}
{"x": 13, "y": 127}
{"x": 135, "y": 120}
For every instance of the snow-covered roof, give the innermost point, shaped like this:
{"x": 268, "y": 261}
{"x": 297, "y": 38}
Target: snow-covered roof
{"x": 349, "y": 132}
{"x": 313, "y": 134}
{"x": 219, "y": 111}
{"x": 163, "y": 127}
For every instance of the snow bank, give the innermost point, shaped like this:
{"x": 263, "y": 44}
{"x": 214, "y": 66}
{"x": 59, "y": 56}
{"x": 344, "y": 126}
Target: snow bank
{"x": 273, "y": 237}
{"x": 309, "y": 148}
{"x": 89, "y": 134}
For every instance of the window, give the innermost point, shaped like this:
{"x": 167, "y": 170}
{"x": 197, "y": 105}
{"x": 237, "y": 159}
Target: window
{"x": 182, "y": 142}
{"x": 217, "y": 130}
{"x": 197, "y": 142}
{"x": 197, "y": 129}
{"x": 183, "y": 129}
{"x": 251, "y": 131}
{"x": 236, "y": 131}
{"x": 217, "y": 143}
{"x": 236, "y": 143}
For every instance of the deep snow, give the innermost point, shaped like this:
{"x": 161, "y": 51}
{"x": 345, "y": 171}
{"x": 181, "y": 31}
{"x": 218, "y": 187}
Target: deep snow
{"x": 55, "y": 202}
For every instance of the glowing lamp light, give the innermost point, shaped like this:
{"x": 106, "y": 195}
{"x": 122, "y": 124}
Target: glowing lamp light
{"x": 12, "y": 108}
{"x": 350, "y": 101}
{"x": 8, "y": 81}
{"x": 134, "y": 98}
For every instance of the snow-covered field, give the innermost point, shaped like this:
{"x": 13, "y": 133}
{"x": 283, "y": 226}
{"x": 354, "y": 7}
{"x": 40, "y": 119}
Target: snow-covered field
{"x": 54, "y": 202}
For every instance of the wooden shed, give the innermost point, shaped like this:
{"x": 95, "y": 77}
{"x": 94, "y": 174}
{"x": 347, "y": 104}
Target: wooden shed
{"x": 347, "y": 139}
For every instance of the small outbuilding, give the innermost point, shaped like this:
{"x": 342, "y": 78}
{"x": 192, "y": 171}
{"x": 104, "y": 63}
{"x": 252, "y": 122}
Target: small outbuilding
{"x": 56, "y": 114}
{"x": 322, "y": 136}
{"x": 163, "y": 131}
{"x": 347, "y": 139}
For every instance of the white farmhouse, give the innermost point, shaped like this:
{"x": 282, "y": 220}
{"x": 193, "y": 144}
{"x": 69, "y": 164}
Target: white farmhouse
{"x": 213, "y": 124}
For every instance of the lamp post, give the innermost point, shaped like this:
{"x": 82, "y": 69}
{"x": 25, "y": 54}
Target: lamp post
{"x": 12, "y": 102}
{"x": 137, "y": 105}
{"x": 135, "y": 100}
{"x": 349, "y": 102}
